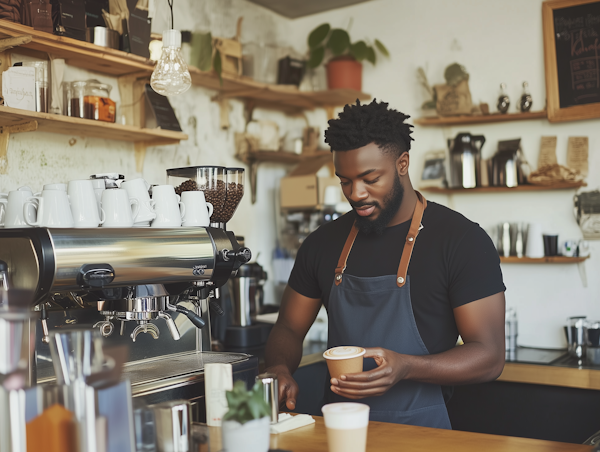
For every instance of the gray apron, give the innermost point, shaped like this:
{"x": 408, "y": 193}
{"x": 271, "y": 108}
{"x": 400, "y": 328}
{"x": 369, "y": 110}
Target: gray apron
{"x": 377, "y": 312}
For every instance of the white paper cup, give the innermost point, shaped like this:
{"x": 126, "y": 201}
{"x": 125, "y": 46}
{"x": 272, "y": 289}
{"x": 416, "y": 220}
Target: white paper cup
{"x": 346, "y": 424}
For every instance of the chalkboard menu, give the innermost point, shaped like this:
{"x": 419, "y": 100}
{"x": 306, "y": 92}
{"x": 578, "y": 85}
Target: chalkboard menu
{"x": 159, "y": 113}
{"x": 577, "y": 40}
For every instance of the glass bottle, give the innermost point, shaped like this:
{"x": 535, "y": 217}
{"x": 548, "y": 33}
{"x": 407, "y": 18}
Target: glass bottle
{"x": 526, "y": 100}
{"x": 503, "y": 99}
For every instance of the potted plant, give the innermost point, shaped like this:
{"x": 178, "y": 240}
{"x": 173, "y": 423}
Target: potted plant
{"x": 246, "y": 425}
{"x": 344, "y": 69}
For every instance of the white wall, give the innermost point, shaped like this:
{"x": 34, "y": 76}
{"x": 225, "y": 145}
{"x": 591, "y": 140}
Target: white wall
{"x": 496, "y": 42}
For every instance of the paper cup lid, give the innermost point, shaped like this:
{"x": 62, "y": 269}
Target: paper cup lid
{"x": 344, "y": 352}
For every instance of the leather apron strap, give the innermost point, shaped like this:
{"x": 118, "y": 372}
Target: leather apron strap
{"x": 411, "y": 238}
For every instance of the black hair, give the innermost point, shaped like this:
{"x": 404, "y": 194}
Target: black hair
{"x": 359, "y": 125}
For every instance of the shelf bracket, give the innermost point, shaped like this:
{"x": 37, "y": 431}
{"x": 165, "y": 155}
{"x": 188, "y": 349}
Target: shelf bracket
{"x": 582, "y": 273}
{"x": 9, "y": 43}
{"x": 5, "y": 137}
{"x": 140, "y": 155}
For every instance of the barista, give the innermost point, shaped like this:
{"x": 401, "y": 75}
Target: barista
{"x": 400, "y": 276}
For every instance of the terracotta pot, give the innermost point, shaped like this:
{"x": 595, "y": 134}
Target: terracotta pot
{"x": 344, "y": 73}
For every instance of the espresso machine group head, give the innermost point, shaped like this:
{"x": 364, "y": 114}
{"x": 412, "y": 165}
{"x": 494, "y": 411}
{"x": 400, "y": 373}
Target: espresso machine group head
{"x": 129, "y": 274}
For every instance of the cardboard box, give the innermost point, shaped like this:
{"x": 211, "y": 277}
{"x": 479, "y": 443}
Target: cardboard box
{"x": 303, "y": 189}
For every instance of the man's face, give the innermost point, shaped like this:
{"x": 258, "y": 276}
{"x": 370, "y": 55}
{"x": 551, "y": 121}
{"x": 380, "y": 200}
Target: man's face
{"x": 370, "y": 182}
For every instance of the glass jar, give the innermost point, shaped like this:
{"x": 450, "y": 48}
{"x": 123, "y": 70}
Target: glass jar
{"x": 97, "y": 102}
{"x": 212, "y": 180}
{"x": 73, "y": 98}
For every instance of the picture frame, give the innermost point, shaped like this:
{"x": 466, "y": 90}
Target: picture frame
{"x": 572, "y": 69}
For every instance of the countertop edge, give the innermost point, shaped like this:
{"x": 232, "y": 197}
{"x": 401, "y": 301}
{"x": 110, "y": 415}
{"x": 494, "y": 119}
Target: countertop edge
{"x": 551, "y": 375}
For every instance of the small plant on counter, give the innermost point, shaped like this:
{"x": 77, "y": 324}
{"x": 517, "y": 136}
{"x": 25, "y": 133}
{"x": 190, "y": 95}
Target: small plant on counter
{"x": 336, "y": 41}
{"x": 246, "y": 424}
{"x": 246, "y": 405}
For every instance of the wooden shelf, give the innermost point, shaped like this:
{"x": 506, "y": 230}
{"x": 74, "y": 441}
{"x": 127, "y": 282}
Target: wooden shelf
{"x": 542, "y": 260}
{"x": 67, "y": 125}
{"x": 79, "y": 53}
{"x": 520, "y": 188}
{"x": 117, "y": 63}
{"x": 287, "y": 158}
{"x": 280, "y": 97}
{"x": 479, "y": 119}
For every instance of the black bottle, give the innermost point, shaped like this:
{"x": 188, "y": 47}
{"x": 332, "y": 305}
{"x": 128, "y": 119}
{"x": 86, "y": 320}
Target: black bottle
{"x": 503, "y": 99}
{"x": 526, "y": 100}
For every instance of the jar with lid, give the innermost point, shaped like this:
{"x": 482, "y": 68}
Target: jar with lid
{"x": 97, "y": 102}
{"x": 73, "y": 98}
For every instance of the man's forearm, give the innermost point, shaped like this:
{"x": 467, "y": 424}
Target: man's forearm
{"x": 284, "y": 348}
{"x": 469, "y": 363}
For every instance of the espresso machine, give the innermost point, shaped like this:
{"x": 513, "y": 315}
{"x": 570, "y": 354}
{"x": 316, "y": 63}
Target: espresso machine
{"x": 131, "y": 283}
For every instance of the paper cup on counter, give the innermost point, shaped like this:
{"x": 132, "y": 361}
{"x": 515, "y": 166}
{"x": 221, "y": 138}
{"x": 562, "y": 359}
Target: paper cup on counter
{"x": 346, "y": 424}
{"x": 344, "y": 360}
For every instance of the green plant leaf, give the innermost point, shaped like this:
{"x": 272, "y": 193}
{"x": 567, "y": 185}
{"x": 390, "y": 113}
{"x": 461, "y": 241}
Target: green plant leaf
{"x": 217, "y": 66}
{"x": 359, "y": 50}
{"x": 316, "y": 57}
{"x": 339, "y": 40}
{"x": 318, "y": 35}
{"x": 202, "y": 44}
{"x": 371, "y": 57}
{"x": 383, "y": 49}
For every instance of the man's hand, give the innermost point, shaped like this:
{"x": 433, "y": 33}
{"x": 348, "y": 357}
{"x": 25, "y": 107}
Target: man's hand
{"x": 288, "y": 388}
{"x": 391, "y": 368}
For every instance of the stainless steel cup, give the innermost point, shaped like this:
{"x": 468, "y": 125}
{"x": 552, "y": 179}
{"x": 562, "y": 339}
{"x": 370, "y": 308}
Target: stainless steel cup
{"x": 271, "y": 393}
{"x": 76, "y": 353}
{"x": 172, "y": 425}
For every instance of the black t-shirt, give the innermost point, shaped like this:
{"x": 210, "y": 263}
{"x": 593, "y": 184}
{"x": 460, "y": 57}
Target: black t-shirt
{"x": 454, "y": 262}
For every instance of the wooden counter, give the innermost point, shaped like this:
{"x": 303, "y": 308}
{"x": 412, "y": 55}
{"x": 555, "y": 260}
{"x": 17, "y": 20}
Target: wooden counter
{"x": 383, "y": 437}
{"x": 570, "y": 377}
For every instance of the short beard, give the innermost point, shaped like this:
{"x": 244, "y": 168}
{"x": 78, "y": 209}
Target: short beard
{"x": 391, "y": 204}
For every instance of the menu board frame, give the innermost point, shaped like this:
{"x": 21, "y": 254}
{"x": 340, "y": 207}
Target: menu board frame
{"x": 555, "y": 113}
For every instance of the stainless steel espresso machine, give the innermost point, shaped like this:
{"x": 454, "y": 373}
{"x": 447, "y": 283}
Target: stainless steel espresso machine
{"x": 134, "y": 285}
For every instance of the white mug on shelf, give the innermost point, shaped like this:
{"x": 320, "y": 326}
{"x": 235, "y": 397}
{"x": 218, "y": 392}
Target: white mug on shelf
{"x": 535, "y": 241}
{"x": 62, "y": 187}
{"x": 99, "y": 186}
{"x": 197, "y": 210}
{"x": 12, "y": 214}
{"x": 53, "y": 210}
{"x": 167, "y": 207}
{"x": 120, "y": 211}
{"x": 83, "y": 204}
{"x": 138, "y": 188}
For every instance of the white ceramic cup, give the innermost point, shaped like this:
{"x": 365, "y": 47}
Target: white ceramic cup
{"x": 197, "y": 210}
{"x": 119, "y": 209}
{"x": 138, "y": 188}
{"x": 11, "y": 209}
{"x": 83, "y": 204}
{"x": 535, "y": 241}
{"x": 346, "y": 425}
{"x": 167, "y": 206}
{"x": 53, "y": 210}
{"x": 62, "y": 187}
{"x": 99, "y": 186}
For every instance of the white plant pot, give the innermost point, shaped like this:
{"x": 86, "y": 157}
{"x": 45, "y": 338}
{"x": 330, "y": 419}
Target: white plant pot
{"x": 253, "y": 436}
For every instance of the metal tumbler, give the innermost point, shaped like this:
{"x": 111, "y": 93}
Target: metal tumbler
{"x": 172, "y": 425}
{"x": 271, "y": 393}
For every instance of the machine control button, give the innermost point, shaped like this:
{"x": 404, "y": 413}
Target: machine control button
{"x": 95, "y": 275}
{"x": 242, "y": 255}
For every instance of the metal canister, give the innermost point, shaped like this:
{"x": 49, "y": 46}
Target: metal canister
{"x": 172, "y": 425}
{"x": 271, "y": 393}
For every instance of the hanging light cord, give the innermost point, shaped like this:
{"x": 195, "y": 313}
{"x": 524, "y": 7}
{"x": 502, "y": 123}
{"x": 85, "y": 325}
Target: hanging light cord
{"x": 170, "y": 2}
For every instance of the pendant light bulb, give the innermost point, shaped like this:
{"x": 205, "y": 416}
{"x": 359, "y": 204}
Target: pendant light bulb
{"x": 171, "y": 75}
